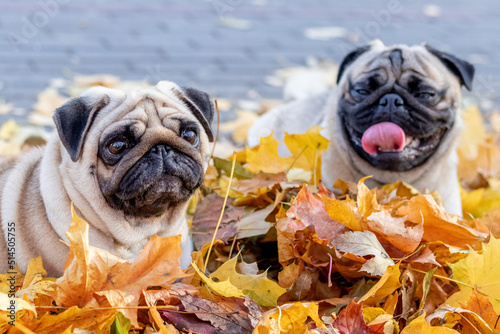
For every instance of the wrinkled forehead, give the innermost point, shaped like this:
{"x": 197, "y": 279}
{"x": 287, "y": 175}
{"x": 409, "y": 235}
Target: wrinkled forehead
{"x": 399, "y": 62}
{"x": 151, "y": 111}
{"x": 148, "y": 109}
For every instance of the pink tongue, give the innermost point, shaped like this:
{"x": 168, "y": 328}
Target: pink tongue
{"x": 383, "y": 137}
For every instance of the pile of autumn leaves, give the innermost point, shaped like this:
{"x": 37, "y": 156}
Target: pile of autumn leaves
{"x": 290, "y": 256}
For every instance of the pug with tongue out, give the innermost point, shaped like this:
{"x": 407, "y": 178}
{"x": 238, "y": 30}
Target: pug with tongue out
{"x": 393, "y": 115}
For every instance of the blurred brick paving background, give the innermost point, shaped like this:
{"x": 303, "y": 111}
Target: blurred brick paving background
{"x": 226, "y": 47}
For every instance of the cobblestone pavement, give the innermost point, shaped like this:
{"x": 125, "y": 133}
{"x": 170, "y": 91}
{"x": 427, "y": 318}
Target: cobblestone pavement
{"x": 226, "y": 47}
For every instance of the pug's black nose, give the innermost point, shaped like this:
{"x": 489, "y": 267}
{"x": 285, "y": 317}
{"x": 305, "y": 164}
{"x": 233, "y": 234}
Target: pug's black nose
{"x": 391, "y": 100}
{"x": 160, "y": 149}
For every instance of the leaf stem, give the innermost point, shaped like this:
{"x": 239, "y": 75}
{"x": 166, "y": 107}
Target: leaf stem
{"x": 221, "y": 213}
{"x": 445, "y": 278}
{"x": 296, "y": 158}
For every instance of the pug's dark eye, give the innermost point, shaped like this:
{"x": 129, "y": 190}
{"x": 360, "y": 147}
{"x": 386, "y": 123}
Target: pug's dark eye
{"x": 425, "y": 95}
{"x": 362, "y": 91}
{"x": 190, "y": 136}
{"x": 117, "y": 147}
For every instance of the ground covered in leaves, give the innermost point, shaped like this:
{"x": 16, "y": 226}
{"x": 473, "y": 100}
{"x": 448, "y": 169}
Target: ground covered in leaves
{"x": 280, "y": 253}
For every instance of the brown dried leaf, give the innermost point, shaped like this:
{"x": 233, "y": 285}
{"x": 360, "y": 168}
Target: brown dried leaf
{"x": 286, "y": 240}
{"x": 86, "y": 268}
{"x": 91, "y": 272}
{"x": 157, "y": 264}
{"x": 206, "y": 217}
{"x": 230, "y": 315}
{"x": 439, "y": 225}
{"x": 395, "y": 231}
{"x": 467, "y": 321}
{"x": 483, "y": 308}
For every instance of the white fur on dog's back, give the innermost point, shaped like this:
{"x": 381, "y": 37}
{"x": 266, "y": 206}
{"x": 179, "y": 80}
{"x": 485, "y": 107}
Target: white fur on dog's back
{"x": 293, "y": 118}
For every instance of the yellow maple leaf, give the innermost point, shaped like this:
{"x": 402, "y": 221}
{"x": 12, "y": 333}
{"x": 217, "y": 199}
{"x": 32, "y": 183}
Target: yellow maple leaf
{"x": 479, "y": 271}
{"x": 307, "y": 149}
{"x": 261, "y": 289}
{"x": 264, "y": 157}
{"x": 388, "y": 283}
{"x": 224, "y": 288}
{"x": 289, "y": 318}
{"x": 420, "y": 326}
{"x": 345, "y": 212}
{"x": 228, "y": 283}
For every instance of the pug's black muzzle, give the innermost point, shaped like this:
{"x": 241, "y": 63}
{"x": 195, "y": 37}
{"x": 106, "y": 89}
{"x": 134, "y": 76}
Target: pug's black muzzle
{"x": 424, "y": 128}
{"x": 162, "y": 178}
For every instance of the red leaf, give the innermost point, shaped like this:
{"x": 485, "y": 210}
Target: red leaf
{"x": 310, "y": 210}
{"x": 351, "y": 320}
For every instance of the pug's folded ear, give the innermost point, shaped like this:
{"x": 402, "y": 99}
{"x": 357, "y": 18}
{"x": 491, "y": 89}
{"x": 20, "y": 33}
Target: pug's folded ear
{"x": 74, "y": 119}
{"x": 202, "y": 106}
{"x": 350, "y": 58}
{"x": 462, "y": 69}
